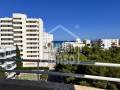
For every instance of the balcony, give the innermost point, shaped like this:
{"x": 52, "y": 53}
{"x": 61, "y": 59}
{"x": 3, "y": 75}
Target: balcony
{"x": 35, "y": 28}
{"x": 6, "y": 27}
{"x": 56, "y": 75}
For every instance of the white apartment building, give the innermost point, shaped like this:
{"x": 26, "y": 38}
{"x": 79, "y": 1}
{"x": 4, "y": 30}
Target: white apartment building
{"x": 25, "y": 32}
{"x": 8, "y": 53}
{"x": 77, "y": 43}
{"x": 47, "y": 38}
{"x": 87, "y": 42}
{"x": 48, "y": 46}
{"x": 107, "y": 43}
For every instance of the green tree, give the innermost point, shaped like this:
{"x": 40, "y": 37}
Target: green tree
{"x": 18, "y": 58}
{"x": 44, "y": 76}
{"x": 2, "y": 73}
{"x": 96, "y": 54}
{"x": 86, "y": 51}
{"x": 82, "y": 57}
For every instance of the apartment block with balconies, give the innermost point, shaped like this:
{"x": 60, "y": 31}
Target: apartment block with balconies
{"x": 8, "y": 52}
{"x": 25, "y": 32}
{"x": 108, "y": 43}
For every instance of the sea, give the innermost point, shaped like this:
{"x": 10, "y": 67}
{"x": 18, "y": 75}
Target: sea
{"x": 58, "y": 44}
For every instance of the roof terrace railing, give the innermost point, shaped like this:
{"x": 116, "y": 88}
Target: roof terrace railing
{"x": 68, "y": 74}
{"x": 86, "y": 63}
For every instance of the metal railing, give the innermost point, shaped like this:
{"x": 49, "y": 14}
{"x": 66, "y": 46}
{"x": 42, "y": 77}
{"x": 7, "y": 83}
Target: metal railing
{"x": 86, "y": 63}
{"x": 69, "y": 74}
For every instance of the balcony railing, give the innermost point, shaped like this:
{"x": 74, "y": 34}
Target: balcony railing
{"x": 68, "y": 74}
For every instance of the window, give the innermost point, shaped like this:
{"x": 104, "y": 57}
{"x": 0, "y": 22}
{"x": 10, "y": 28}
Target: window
{"x": 5, "y": 21}
{"x": 13, "y": 52}
{"x": 18, "y": 32}
{"x": 31, "y": 55}
{"x": 6, "y": 38}
{"x": 32, "y": 51}
{"x": 2, "y": 54}
{"x": 17, "y": 36}
{"x": 32, "y": 43}
{"x": 31, "y": 21}
{"x": 6, "y": 34}
{"x": 17, "y": 18}
{"x": 9, "y": 66}
{"x": 17, "y": 22}
{"x": 8, "y": 53}
{"x": 18, "y": 41}
{"x": 31, "y": 26}
{"x": 13, "y": 63}
{"x": 31, "y": 47}
{"x": 32, "y": 30}
{"x": 17, "y": 27}
{"x": 6, "y": 25}
{"x": 32, "y": 38}
{"x": 6, "y": 43}
{"x": 32, "y": 34}
{"x": 6, "y": 30}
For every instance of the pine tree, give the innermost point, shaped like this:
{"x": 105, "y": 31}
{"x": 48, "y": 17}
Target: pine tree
{"x": 18, "y": 58}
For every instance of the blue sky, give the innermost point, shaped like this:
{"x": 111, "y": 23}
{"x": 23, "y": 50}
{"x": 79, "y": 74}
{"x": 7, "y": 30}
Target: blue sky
{"x": 89, "y": 19}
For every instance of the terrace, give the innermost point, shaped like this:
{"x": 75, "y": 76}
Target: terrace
{"x": 37, "y": 84}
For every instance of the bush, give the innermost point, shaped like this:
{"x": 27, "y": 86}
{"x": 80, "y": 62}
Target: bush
{"x": 112, "y": 86}
{"x": 2, "y": 73}
{"x": 44, "y": 76}
{"x": 84, "y": 83}
{"x": 100, "y": 84}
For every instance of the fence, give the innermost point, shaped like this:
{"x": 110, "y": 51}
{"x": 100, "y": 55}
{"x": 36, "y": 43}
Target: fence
{"x": 68, "y": 74}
